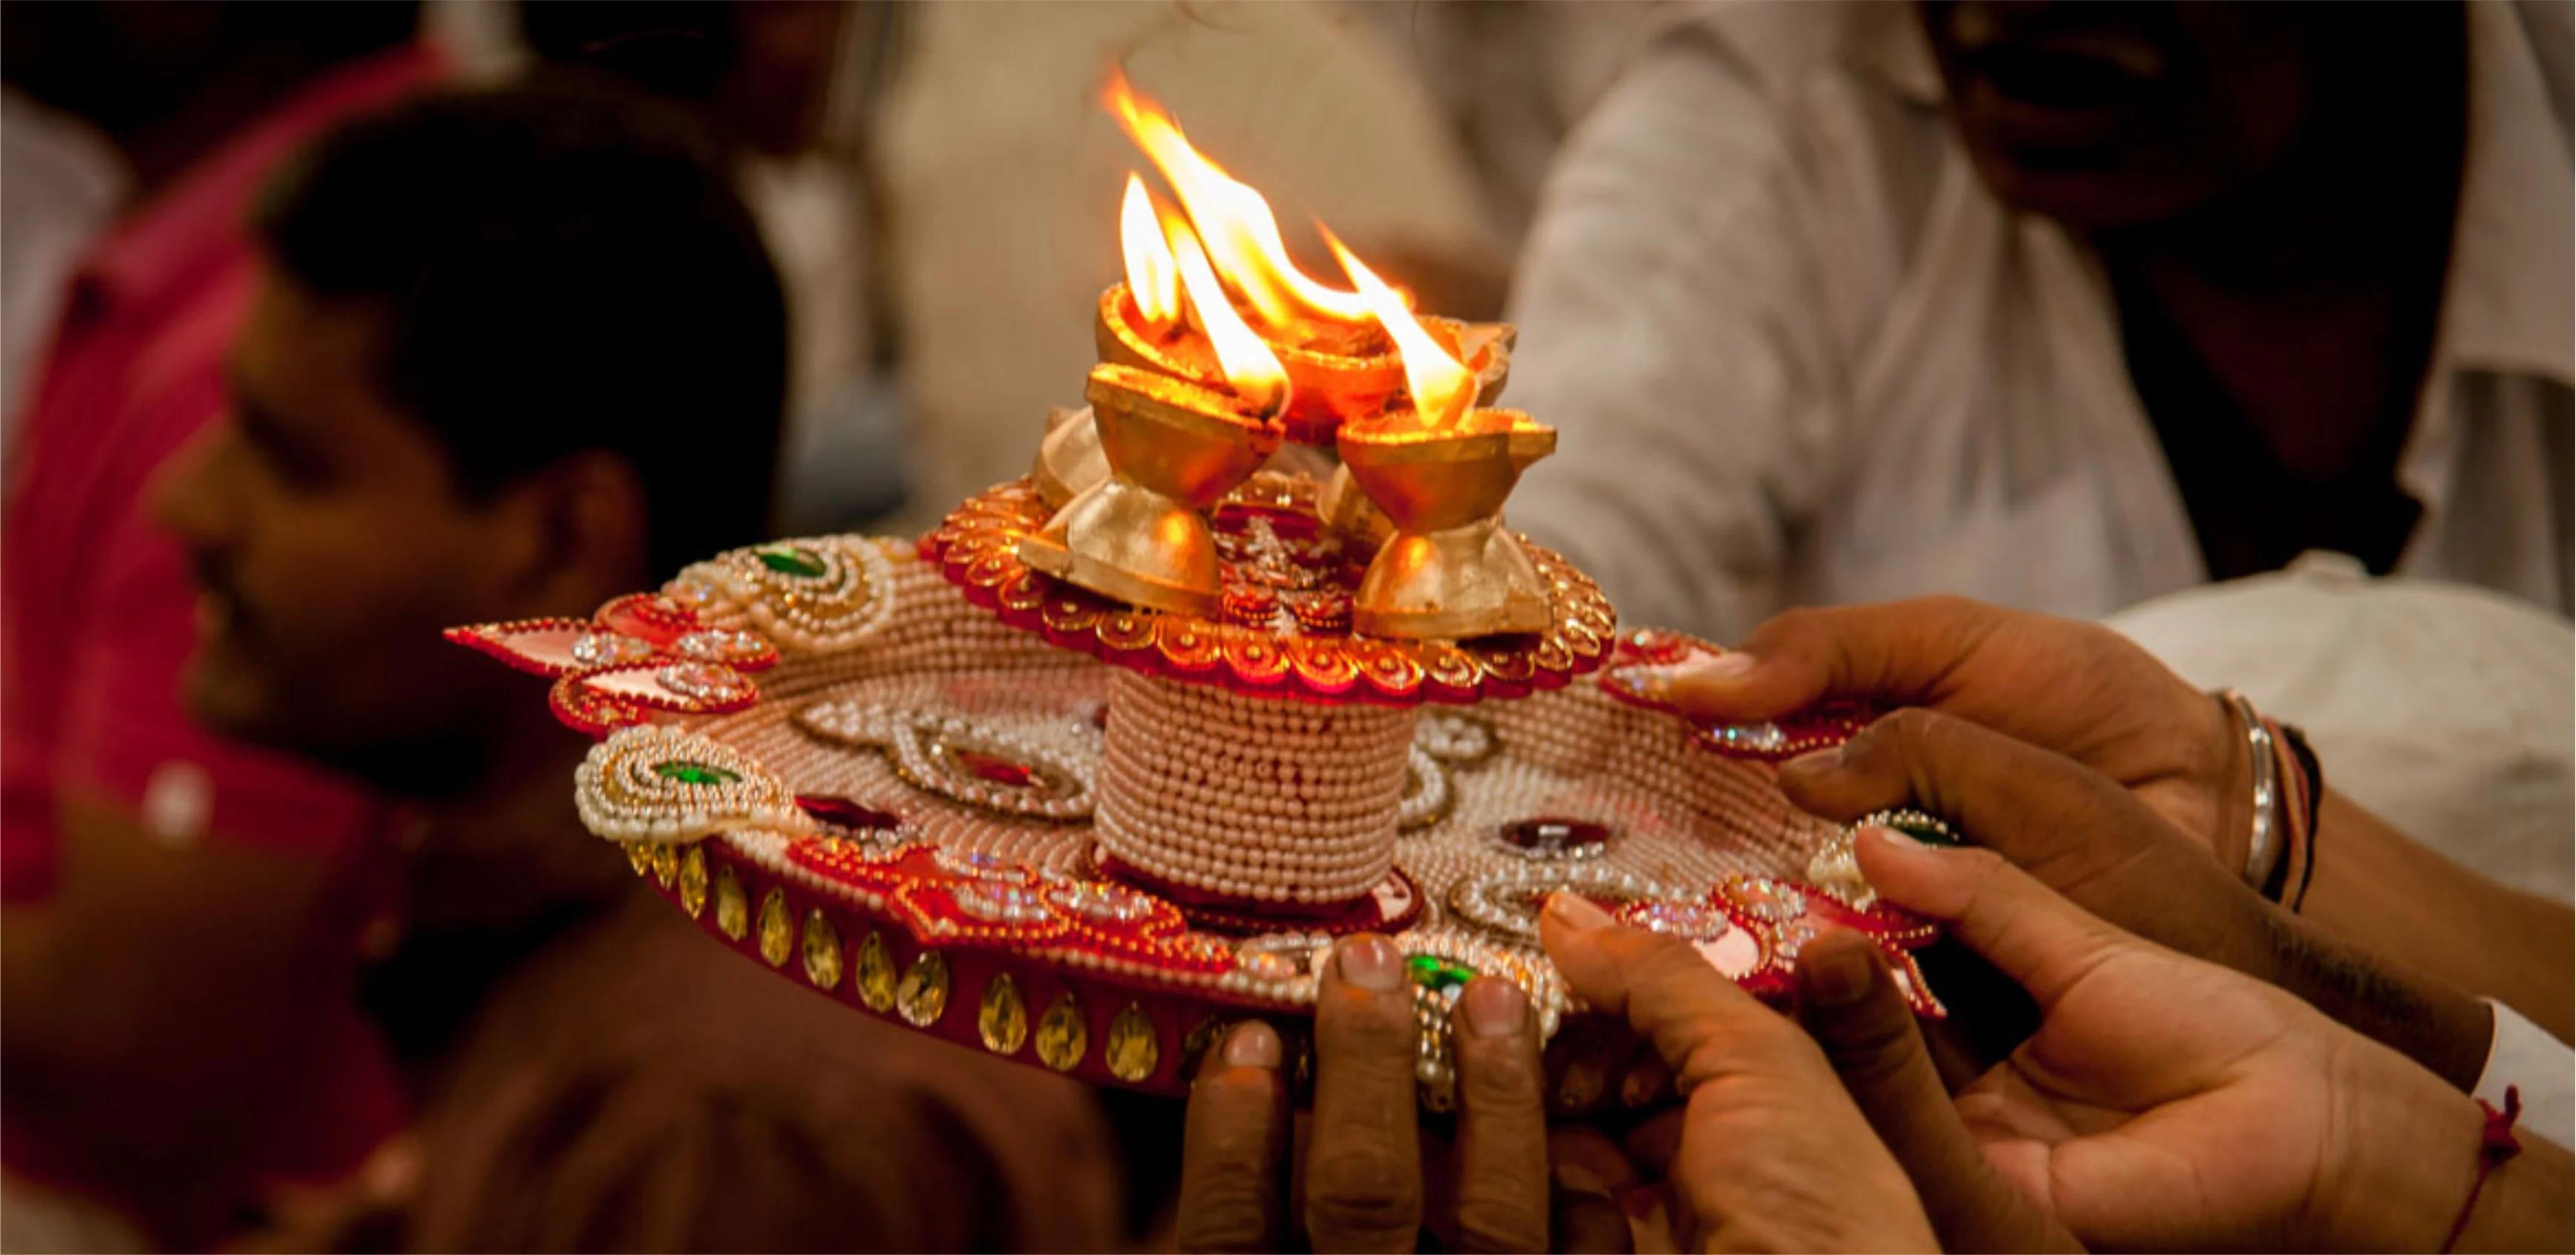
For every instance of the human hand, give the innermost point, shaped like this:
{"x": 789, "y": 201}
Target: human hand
{"x": 2164, "y": 1103}
{"x": 1769, "y": 1152}
{"x": 2112, "y": 855}
{"x": 2077, "y": 688}
{"x": 1360, "y": 1162}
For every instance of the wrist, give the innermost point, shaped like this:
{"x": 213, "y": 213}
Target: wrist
{"x": 2400, "y": 1163}
{"x": 2442, "y": 1029}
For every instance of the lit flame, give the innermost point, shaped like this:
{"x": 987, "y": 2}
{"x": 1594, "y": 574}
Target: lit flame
{"x": 1442, "y": 388}
{"x": 1251, "y": 369}
{"x": 1152, "y": 277}
{"x": 1233, "y": 220}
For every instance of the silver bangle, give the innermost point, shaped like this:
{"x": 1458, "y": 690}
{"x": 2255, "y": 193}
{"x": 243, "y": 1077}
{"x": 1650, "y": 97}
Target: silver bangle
{"x": 2263, "y": 846}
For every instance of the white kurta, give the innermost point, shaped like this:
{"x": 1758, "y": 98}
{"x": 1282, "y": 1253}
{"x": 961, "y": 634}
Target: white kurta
{"x": 1799, "y": 354}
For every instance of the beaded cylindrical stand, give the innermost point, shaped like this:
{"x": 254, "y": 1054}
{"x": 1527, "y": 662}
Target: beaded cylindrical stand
{"x": 1264, "y": 801}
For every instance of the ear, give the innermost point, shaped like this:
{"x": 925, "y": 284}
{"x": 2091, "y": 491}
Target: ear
{"x": 591, "y": 527}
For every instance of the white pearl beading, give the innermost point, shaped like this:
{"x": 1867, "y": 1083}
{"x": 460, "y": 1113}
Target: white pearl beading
{"x": 1274, "y": 800}
{"x": 1494, "y": 900}
{"x": 621, "y": 796}
{"x": 841, "y": 607}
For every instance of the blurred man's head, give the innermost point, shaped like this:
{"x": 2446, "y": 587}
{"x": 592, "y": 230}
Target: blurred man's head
{"x": 512, "y": 352}
{"x": 2107, "y": 115}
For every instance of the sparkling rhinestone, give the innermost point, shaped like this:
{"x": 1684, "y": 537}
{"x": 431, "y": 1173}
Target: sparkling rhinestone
{"x": 1132, "y": 1053}
{"x": 1001, "y": 904}
{"x": 822, "y": 951}
{"x": 666, "y": 865}
{"x": 1678, "y": 919}
{"x": 639, "y": 855}
{"x": 1760, "y": 738}
{"x": 790, "y": 560}
{"x": 1062, "y": 1036}
{"x": 841, "y": 812}
{"x": 601, "y": 649}
{"x": 1765, "y": 899}
{"x": 733, "y": 907}
{"x": 1553, "y": 837}
{"x": 694, "y": 773}
{"x": 1793, "y": 937}
{"x": 922, "y": 995}
{"x": 1003, "y": 1020}
{"x": 720, "y": 646}
{"x": 875, "y": 978}
{"x": 693, "y": 882}
{"x": 1104, "y": 902}
{"x": 702, "y": 681}
{"x": 777, "y": 932}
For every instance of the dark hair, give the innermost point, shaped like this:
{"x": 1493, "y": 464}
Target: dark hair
{"x": 565, "y": 268}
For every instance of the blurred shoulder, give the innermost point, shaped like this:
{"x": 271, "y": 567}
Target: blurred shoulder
{"x": 637, "y": 1087}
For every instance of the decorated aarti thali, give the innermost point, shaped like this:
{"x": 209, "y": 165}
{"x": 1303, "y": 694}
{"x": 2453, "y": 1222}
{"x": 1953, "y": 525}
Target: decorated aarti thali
{"x": 1248, "y": 661}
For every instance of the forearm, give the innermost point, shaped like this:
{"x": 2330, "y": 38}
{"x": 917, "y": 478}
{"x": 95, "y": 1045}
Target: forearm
{"x": 2384, "y": 893}
{"x": 2404, "y": 1169}
{"x": 2439, "y": 1026}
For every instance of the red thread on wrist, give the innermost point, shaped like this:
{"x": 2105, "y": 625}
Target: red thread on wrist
{"x": 2496, "y": 1144}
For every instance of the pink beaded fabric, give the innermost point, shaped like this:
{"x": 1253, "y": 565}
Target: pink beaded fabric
{"x": 951, "y": 791}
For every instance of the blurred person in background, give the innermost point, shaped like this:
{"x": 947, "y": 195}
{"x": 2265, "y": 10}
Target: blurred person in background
{"x": 176, "y": 1036}
{"x": 2057, "y": 305}
{"x": 510, "y": 353}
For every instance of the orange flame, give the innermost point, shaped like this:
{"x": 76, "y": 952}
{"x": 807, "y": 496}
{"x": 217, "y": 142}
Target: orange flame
{"x": 1152, "y": 276}
{"x": 1241, "y": 237}
{"x": 1251, "y": 369}
{"x": 1442, "y": 389}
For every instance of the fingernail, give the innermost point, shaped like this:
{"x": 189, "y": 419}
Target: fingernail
{"x": 1647, "y": 682}
{"x": 1814, "y": 761}
{"x": 1370, "y": 962}
{"x": 1580, "y": 1087}
{"x": 1731, "y": 665}
{"x": 1252, "y": 1044}
{"x": 1576, "y": 911}
{"x": 1574, "y": 1178}
{"x": 1897, "y": 837}
{"x": 1494, "y": 1007}
{"x": 1835, "y": 976}
{"x": 1640, "y": 1086}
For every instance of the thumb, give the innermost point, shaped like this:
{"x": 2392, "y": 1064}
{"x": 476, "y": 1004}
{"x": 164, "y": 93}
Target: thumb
{"x": 2041, "y": 941}
{"x": 1894, "y": 653}
{"x": 1668, "y": 992}
{"x": 1850, "y": 1004}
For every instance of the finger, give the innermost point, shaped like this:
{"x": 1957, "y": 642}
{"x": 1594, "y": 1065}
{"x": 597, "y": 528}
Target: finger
{"x": 1850, "y": 1005}
{"x": 1502, "y": 1122}
{"x": 1232, "y": 1144}
{"x": 2074, "y": 829}
{"x": 1896, "y": 652}
{"x": 1703, "y": 1024}
{"x": 2033, "y": 805}
{"x": 2043, "y": 942}
{"x": 1588, "y": 1174}
{"x": 1363, "y": 1163}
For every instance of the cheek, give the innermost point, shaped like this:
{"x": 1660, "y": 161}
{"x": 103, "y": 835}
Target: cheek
{"x": 338, "y": 583}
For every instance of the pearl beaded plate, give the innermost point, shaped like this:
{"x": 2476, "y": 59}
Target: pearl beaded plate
{"x": 839, "y": 764}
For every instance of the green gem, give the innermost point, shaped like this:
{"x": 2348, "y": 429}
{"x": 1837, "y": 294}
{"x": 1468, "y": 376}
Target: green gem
{"x": 694, "y": 773}
{"x": 1438, "y": 974}
{"x": 792, "y": 561}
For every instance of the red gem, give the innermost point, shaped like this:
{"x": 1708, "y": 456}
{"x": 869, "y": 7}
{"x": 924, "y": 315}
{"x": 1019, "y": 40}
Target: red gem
{"x": 996, "y": 769}
{"x": 841, "y": 812}
{"x": 1547, "y": 835}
